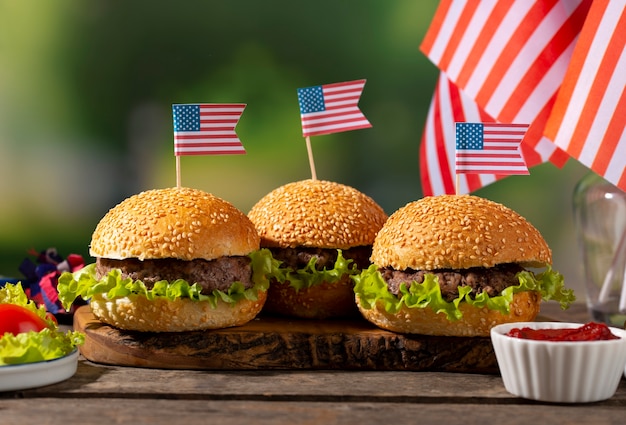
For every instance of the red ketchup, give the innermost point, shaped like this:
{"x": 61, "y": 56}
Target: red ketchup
{"x": 589, "y": 332}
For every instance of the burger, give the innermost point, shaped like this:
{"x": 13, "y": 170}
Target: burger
{"x": 457, "y": 265}
{"x": 171, "y": 260}
{"x": 320, "y": 233}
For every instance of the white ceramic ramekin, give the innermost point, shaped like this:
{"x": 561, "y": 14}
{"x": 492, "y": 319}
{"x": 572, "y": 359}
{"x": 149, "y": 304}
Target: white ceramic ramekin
{"x": 557, "y": 371}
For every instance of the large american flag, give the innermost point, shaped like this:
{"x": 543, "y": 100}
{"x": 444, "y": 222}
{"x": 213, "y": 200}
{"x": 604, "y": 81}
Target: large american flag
{"x": 589, "y": 117}
{"x": 509, "y": 57}
{"x": 490, "y": 148}
{"x": 331, "y": 108}
{"x": 207, "y": 129}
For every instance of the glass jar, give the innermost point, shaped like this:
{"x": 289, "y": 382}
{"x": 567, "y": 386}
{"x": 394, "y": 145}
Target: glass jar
{"x": 600, "y": 220}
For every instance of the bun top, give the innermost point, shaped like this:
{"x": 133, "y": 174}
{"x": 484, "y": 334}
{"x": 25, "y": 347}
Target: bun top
{"x": 177, "y": 223}
{"x": 317, "y": 213}
{"x": 457, "y": 232}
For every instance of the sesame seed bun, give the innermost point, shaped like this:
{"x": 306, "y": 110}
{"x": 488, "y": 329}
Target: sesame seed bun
{"x": 475, "y": 321}
{"x": 177, "y": 223}
{"x": 456, "y": 232}
{"x": 137, "y": 313}
{"x": 174, "y": 223}
{"x": 315, "y": 214}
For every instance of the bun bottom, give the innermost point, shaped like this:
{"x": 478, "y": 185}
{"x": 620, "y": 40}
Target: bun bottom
{"x": 323, "y": 301}
{"x": 137, "y": 313}
{"x": 475, "y": 321}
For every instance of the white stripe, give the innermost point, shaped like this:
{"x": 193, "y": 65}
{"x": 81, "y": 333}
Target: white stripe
{"x": 209, "y": 149}
{"x": 616, "y": 166}
{"x": 545, "y": 148}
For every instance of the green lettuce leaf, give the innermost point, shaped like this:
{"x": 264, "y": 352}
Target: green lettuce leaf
{"x": 309, "y": 276}
{"x": 83, "y": 283}
{"x": 371, "y": 288}
{"x": 30, "y": 347}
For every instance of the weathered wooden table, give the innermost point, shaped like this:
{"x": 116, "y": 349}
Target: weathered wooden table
{"x": 103, "y": 394}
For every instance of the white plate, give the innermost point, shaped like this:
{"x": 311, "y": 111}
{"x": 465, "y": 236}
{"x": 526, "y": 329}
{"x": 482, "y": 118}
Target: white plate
{"x": 31, "y": 375}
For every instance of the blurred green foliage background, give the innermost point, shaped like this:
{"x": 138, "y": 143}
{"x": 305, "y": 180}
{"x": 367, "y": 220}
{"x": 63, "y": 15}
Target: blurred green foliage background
{"x": 85, "y": 110}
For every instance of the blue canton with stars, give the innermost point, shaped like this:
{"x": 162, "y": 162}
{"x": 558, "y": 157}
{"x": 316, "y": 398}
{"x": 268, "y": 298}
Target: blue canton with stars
{"x": 186, "y": 117}
{"x": 469, "y": 136}
{"x": 311, "y": 99}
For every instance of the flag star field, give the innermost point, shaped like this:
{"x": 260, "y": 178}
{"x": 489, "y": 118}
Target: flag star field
{"x": 469, "y": 136}
{"x": 311, "y": 99}
{"x": 186, "y": 117}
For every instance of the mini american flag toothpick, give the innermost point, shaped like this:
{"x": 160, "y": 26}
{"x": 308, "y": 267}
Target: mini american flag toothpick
{"x": 206, "y": 129}
{"x": 330, "y": 108}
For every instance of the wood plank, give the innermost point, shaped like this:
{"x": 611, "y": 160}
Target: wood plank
{"x": 225, "y": 412}
{"x": 103, "y": 381}
{"x": 278, "y": 343}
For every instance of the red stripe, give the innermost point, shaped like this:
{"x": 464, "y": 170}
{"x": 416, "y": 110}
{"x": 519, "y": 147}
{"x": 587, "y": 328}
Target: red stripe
{"x": 212, "y": 152}
{"x": 427, "y": 185}
{"x": 446, "y": 168}
{"x": 208, "y": 144}
{"x": 490, "y": 172}
{"x": 621, "y": 183}
{"x": 204, "y": 136}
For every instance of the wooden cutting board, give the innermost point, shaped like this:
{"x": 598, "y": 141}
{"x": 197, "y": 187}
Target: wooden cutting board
{"x": 289, "y": 344}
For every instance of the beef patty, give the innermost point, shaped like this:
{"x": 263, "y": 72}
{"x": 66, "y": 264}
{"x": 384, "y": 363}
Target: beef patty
{"x": 209, "y": 274}
{"x": 492, "y": 280}
{"x": 297, "y": 258}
